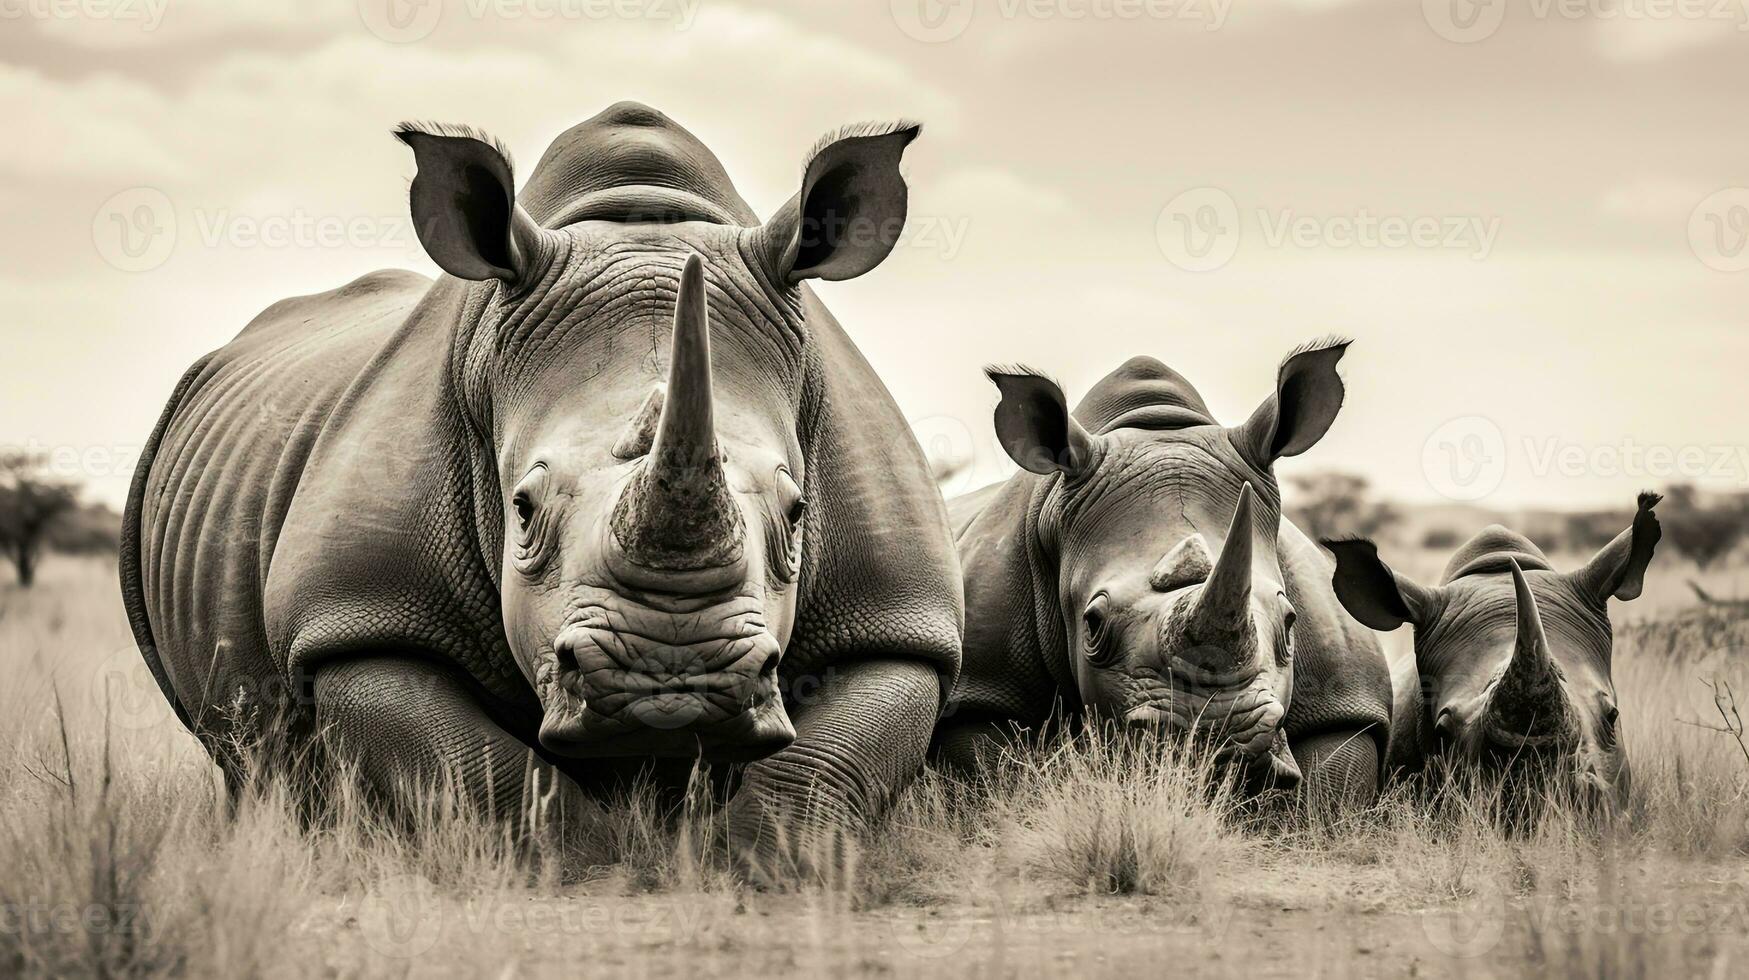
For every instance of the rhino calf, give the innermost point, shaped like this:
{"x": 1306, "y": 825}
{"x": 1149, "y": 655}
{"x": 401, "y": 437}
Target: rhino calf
{"x": 615, "y": 487}
{"x": 1513, "y": 657}
{"x": 1138, "y": 567}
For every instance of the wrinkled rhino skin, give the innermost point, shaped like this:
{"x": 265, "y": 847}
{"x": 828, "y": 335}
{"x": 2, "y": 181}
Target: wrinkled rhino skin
{"x": 1166, "y": 480}
{"x": 325, "y": 521}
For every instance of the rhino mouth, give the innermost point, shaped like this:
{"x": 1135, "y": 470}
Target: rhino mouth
{"x": 641, "y": 682}
{"x": 1242, "y": 727}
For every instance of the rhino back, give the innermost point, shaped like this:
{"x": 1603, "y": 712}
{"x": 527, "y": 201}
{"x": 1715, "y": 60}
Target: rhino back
{"x": 630, "y": 163}
{"x": 216, "y": 479}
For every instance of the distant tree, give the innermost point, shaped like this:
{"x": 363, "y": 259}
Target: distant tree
{"x": 1705, "y": 534}
{"x": 31, "y": 502}
{"x": 1592, "y": 529}
{"x": 1440, "y": 539}
{"x": 1331, "y": 504}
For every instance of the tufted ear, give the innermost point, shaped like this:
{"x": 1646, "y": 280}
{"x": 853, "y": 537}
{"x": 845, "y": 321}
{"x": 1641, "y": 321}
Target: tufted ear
{"x": 850, "y": 210}
{"x": 1034, "y": 425}
{"x": 1372, "y": 593}
{"x": 464, "y": 204}
{"x": 1619, "y": 569}
{"x": 1308, "y": 394}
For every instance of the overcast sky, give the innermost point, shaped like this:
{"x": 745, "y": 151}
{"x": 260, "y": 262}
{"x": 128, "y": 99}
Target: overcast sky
{"x": 1530, "y": 218}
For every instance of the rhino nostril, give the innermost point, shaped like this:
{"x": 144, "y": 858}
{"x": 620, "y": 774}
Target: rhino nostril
{"x": 566, "y": 657}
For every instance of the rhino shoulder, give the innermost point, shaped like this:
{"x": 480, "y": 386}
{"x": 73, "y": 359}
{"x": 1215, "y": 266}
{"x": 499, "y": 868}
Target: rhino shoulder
{"x": 881, "y": 577}
{"x": 1341, "y": 678}
{"x": 385, "y": 290}
{"x": 380, "y": 546}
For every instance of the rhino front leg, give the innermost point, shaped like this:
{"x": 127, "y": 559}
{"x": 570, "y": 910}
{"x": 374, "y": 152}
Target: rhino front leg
{"x": 407, "y": 722}
{"x": 859, "y": 742}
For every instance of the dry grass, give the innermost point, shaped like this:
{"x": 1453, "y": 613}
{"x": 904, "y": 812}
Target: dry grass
{"x": 118, "y": 856}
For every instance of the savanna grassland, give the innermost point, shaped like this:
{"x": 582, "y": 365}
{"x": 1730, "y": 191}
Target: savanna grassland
{"x": 118, "y": 856}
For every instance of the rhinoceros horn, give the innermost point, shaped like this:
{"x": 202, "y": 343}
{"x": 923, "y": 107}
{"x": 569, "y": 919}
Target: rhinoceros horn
{"x": 678, "y": 513}
{"x": 1528, "y": 698}
{"x": 1225, "y": 603}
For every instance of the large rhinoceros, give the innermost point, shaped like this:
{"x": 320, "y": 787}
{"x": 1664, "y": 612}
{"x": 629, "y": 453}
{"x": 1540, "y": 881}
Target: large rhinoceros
{"x": 1513, "y": 657}
{"x": 616, "y": 487}
{"x": 1139, "y": 567}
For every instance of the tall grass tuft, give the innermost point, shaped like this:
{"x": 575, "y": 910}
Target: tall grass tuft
{"x": 1117, "y": 812}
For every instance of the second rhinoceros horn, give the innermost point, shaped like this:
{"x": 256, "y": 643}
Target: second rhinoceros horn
{"x": 677, "y": 513}
{"x": 1528, "y": 700}
{"x": 1225, "y": 603}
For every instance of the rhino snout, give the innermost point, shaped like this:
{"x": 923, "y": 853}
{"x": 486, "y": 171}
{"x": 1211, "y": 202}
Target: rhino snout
{"x": 623, "y": 685}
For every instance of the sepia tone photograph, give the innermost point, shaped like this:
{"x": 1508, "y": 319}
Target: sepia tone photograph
{"x": 870, "y": 488}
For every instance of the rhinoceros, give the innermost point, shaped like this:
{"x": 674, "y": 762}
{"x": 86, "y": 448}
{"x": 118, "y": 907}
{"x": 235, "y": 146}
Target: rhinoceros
{"x": 1138, "y": 567}
{"x": 1513, "y": 657}
{"x": 616, "y": 486}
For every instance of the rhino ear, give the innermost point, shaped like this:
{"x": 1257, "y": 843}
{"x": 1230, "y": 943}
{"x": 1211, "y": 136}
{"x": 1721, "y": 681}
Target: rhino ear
{"x": 1372, "y": 593}
{"x": 464, "y": 205}
{"x": 850, "y": 210}
{"x": 1308, "y": 394}
{"x": 1035, "y": 427}
{"x": 1619, "y": 569}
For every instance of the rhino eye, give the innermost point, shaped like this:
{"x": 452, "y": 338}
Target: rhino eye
{"x": 524, "y": 510}
{"x": 796, "y": 510}
{"x": 1607, "y": 730}
{"x": 1096, "y": 624}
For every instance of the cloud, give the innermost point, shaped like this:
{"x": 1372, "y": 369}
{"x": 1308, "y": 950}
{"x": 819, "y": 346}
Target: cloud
{"x": 1659, "y": 199}
{"x": 1644, "y": 38}
{"x": 108, "y": 25}
{"x": 99, "y": 127}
